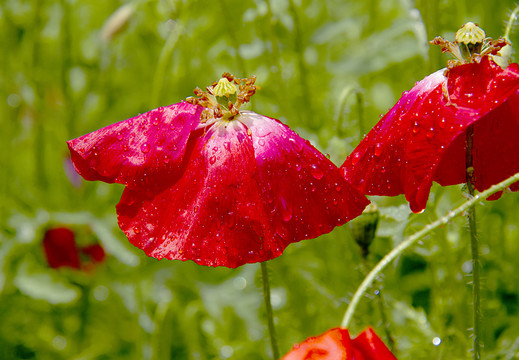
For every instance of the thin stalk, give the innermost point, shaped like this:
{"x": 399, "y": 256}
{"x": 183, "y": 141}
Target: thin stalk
{"x": 474, "y": 246}
{"x": 270, "y": 313}
{"x": 410, "y": 240}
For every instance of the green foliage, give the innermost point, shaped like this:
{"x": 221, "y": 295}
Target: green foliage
{"x": 327, "y": 69}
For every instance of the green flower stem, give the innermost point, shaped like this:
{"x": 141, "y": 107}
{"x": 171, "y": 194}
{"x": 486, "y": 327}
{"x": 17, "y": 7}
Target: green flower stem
{"x": 474, "y": 245}
{"x": 268, "y": 306}
{"x": 410, "y": 240}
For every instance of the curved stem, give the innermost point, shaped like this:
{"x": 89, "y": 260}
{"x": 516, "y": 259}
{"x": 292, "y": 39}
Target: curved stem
{"x": 268, "y": 306}
{"x": 474, "y": 246}
{"x": 410, "y": 240}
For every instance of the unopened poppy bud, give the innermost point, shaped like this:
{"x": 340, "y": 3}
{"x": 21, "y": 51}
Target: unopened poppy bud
{"x": 364, "y": 227}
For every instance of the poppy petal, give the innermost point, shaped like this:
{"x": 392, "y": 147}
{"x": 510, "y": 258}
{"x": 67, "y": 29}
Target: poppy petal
{"x": 133, "y": 150}
{"x": 304, "y": 193}
{"x": 422, "y": 138}
{"x": 334, "y": 344}
{"x": 212, "y": 214}
{"x": 371, "y": 346}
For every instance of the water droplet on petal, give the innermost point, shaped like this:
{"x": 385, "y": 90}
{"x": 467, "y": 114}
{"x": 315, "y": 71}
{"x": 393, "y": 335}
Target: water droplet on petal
{"x": 286, "y": 210}
{"x": 119, "y": 136}
{"x": 355, "y": 159}
{"x": 416, "y": 127}
{"x": 298, "y": 145}
{"x": 166, "y": 159}
{"x": 378, "y": 149}
{"x": 261, "y": 142}
{"x": 298, "y": 166}
{"x": 212, "y": 160}
{"x": 145, "y": 148}
{"x": 136, "y": 230}
{"x": 316, "y": 171}
{"x": 430, "y": 133}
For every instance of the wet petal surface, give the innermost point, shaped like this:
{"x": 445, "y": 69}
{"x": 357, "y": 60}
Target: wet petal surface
{"x": 422, "y": 138}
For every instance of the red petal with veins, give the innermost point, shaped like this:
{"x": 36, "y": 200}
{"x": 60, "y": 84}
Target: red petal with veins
{"x": 131, "y": 151}
{"x": 336, "y": 344}
{"x": 422, "y": 138}
{"x": 231, "y": 193}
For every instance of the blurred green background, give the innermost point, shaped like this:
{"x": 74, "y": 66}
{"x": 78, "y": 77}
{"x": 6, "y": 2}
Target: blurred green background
{"x": 328, "y": 69}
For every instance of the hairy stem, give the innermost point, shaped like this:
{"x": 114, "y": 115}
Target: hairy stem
{"x": 474, "y": 246}
{"x": 268, "y": 306}
{"x": 410, "y": 240}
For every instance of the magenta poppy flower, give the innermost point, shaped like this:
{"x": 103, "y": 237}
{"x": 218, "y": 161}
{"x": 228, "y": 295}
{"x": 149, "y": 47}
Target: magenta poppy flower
{"x": 336, "y": 344}
{"x": 213, "y": 184}
{"x": 60, "y": 248}
{"x": 422, "y": 138}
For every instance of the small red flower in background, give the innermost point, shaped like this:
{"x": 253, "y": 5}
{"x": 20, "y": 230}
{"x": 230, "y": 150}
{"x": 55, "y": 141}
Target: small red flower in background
{"x": 209, "y": 183}
{"x": 336, "y": 344}
{"x": 422, "y": 138}
{"x": 61, "y": 250}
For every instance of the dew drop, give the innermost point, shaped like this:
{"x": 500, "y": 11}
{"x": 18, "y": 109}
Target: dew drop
{"x": 338, "y": 187}
{"x": 355, "y": 159}
{"x": 119, "y": 136}
{"x": 298, "y": 166}
{"x": 416, "y": 127}
{"x": 136, "y": 230}
{"x": 298, "y": 145}
{"x": 316, "y": 171}
{"x": 145, "y": 148}
{"x": 166, "y": 159}
{"x": 212, "y": 160}
{"x": 261, "y": 142}
{"x": 378, "y": 149}
{"x": 430, "y": 133}
{"x": 286, "y": 210}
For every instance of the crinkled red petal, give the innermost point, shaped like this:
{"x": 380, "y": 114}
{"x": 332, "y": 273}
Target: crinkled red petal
{"x": 233, "y": 202}
{"x": 421, "y": 139}
{"x": 60, "y": 248}
{"x": 371, "y": 346}
{"x": 134, "y": 150}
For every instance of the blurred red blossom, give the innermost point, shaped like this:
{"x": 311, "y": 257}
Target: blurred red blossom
{"x": 336, "y": 344}
{"x": 422, "y": 138}
{"x": 61, "y": 250}
{"x": 213, "y": 184}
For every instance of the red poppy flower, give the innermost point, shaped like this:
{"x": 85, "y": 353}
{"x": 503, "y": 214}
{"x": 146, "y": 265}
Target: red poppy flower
{"x": 336, "y": 344}
{"x": 422, "y": 138}
{"x": 60, "y": 248}
{"x": 209, "y": 183}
